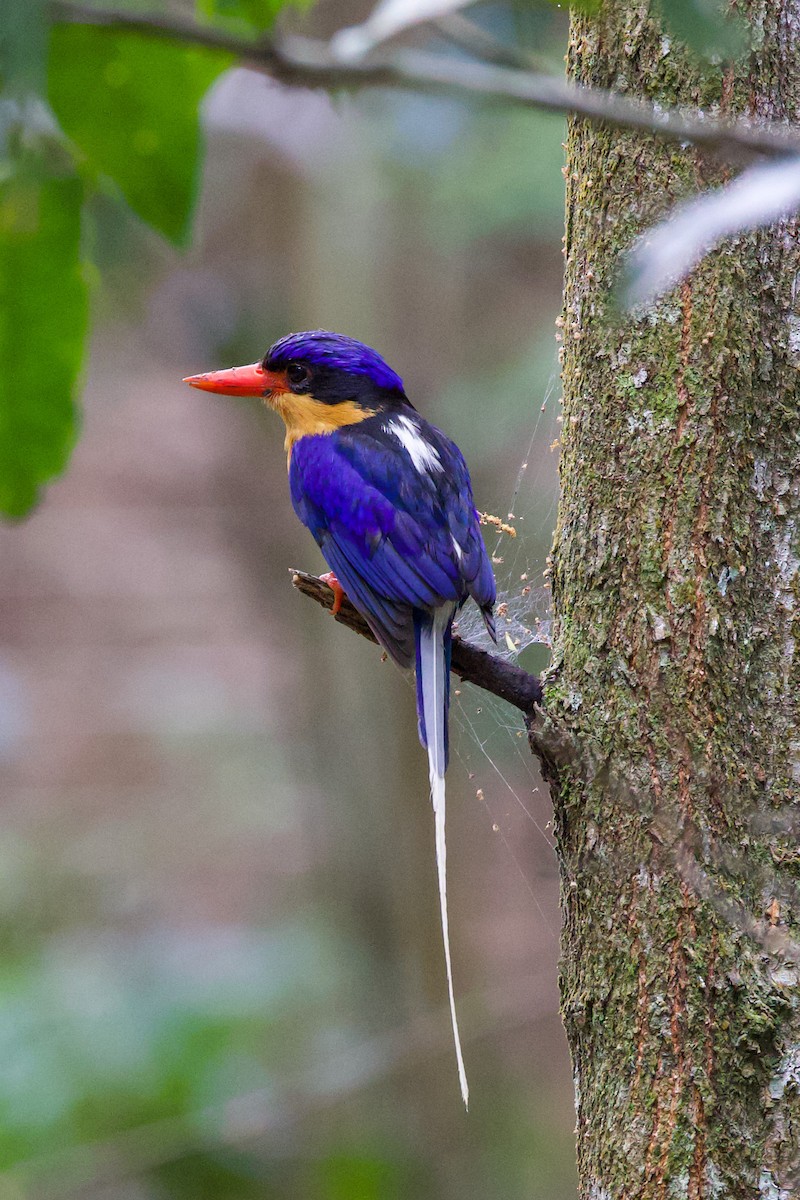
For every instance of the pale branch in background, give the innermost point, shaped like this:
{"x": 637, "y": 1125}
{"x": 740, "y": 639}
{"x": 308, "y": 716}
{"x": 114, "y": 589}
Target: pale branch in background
{"x": 665, "y": 254}
{"x": 308, "y": 62}
{"x": 388, "y": 19}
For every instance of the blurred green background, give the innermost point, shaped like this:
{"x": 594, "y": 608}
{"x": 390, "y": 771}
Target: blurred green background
{"x": 221, "y": 972}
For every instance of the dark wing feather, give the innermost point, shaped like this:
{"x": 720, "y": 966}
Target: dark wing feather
{"x": 388, "y": 530}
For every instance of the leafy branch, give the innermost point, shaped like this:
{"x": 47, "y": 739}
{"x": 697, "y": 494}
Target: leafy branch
{"x": 124, "y": 90}
{"x": 311, "y": 63}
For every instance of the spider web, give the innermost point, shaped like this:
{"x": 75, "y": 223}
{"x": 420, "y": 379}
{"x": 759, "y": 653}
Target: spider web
{"x": 523, "y": 597}
{"x": 490, "y": 744}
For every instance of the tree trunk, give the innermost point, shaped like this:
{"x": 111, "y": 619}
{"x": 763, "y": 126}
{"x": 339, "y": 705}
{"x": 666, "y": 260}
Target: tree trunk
{"x": 675, "y": 673}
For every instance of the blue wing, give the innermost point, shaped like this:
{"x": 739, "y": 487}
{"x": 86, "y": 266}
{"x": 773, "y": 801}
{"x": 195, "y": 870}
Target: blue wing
{"x": 400, "y": 531}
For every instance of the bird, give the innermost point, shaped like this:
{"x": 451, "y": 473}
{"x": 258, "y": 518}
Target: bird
{"x": 388, "y": 499}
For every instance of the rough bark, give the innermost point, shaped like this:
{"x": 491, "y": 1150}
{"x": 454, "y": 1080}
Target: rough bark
{"x": 675, "y": 674}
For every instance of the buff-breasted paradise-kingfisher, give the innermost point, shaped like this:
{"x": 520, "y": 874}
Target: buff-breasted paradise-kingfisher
{"x": 389, "y": 501}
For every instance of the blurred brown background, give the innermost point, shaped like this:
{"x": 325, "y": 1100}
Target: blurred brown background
{"x": 222, "y": 971}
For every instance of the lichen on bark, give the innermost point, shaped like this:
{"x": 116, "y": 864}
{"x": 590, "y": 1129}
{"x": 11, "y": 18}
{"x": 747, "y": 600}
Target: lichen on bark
{"x": 674, "y": 676}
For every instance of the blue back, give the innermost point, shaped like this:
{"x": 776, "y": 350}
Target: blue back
{"x": 399, "y": 538}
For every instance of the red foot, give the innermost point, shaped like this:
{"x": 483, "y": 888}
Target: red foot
{"x": 336, "y": 588}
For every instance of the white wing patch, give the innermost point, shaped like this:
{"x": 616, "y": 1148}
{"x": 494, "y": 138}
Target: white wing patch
{"x": 422, "y": 454}
{"x": 457, "y": 548}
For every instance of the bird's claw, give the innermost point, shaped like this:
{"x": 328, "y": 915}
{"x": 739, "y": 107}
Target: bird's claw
{"x": 337, "y": 589}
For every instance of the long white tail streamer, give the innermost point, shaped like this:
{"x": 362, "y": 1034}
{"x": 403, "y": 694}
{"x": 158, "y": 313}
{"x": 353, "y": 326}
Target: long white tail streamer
{"x": 434, "y": 681}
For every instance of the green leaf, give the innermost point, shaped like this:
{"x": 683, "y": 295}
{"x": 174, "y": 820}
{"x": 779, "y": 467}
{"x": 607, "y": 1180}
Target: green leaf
{"x": 43, "y": 320}
{"x": 360, "y": 1176}
{"x": 130, "y": 102}
{"x": 254, "y": 15}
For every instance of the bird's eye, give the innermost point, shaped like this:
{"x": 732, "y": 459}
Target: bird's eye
{"x": 296, "y": 373}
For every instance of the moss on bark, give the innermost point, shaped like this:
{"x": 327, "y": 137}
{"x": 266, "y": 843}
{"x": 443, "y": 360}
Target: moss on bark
{"x": 675, "y": 584}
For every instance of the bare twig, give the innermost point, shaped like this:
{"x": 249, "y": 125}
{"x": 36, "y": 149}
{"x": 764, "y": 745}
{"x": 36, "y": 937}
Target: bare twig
{"x": 470, "y": 663}
{"x": 306, "y": 62}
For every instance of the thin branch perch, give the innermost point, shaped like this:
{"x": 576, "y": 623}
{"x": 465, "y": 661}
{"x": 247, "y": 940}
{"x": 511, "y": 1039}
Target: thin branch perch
{"x": 470, "y": 663}
{"x": 308, "y": 62}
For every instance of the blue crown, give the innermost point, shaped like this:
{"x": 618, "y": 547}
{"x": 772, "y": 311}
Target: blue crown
{"x": 336, "y": 351}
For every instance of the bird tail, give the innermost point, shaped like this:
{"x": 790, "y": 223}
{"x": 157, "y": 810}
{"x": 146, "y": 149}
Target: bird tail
{"x": 433, "y": 640}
